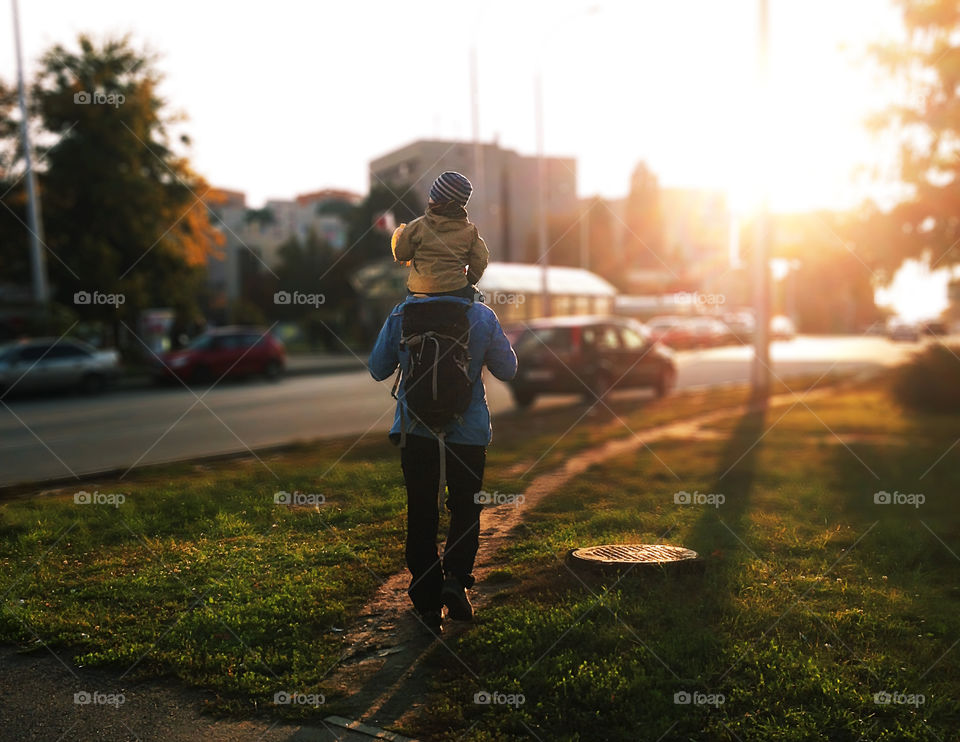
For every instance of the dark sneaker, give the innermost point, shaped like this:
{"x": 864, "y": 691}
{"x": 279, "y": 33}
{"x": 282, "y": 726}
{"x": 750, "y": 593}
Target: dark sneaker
{"x": 454, "y": 597}
{"x": 431, "y": 622}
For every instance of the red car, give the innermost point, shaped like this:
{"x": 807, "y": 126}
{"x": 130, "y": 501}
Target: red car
{"x": 225, "y": 351}
{"x": 671, "y": 330}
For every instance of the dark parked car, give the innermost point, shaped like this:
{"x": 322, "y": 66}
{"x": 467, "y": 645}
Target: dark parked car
{"x": 900, "y": 330}
{"x": 588, "y": 355}
{"x": 56, "y": 363}
{"x": 225, "y": 351}
{"x": 935, "y": 328}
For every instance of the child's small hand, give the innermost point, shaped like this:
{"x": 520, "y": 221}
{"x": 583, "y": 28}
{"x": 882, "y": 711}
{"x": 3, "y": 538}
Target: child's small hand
{"x": 393, "y": 244}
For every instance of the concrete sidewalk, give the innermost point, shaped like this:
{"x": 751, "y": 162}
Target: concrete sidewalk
{"x": 42, "y": 702}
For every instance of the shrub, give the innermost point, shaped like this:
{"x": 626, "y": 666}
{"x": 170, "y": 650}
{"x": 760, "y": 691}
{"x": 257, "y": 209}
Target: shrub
{"x": 930, "y": 381}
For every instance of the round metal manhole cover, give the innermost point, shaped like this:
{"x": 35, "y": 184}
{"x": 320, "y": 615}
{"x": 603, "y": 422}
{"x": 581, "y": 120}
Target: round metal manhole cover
{"x": 625, "y": 555}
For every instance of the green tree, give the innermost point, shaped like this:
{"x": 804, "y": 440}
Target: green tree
{"x": 312, "y": 268}
{"x": 367, "y": 244}
{"x": 264, "y": 217}
{"x": 122, "y": 211}
{"x": 14, "y": 239}
{"x": 831, "y": 289}
{"x": 926, "y": 225}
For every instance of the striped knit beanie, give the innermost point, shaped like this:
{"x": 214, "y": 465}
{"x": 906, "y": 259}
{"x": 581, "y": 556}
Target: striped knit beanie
{"x": 451, "y": 186}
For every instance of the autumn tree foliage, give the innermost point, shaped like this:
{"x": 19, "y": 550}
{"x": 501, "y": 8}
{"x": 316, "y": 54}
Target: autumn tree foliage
{"x": 927, "y": 224}
{"x": 123, "y": 212}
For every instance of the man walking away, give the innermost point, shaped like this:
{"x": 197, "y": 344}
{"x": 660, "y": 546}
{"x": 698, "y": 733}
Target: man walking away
{"x": 431, "y": 453}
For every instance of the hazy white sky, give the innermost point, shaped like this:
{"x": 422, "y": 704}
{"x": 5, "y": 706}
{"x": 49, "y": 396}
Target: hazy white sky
{"x": 286, "y": 97}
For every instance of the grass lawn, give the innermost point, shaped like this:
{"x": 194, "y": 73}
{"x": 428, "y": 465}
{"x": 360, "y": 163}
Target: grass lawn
{"x": 200, "y": 576}
{"x": 814, "y": 597}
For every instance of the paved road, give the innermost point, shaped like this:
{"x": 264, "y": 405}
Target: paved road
{"x": 43, "y": 438}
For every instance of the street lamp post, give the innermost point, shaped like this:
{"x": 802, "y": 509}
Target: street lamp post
{"x": 37, "y": 264}
{"x": 544, "y": 259}
{"x": 585, "y": 237}
{"x": 760, "y": 369}
{"x": 479, "y": 185}
{"x": 543, "y": 249}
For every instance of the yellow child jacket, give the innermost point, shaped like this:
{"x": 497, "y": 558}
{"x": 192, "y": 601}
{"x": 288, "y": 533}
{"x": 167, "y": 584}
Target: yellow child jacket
{"x": 439, "y": 248}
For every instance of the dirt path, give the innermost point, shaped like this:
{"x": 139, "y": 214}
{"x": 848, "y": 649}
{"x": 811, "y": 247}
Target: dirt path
{"x": 381, "y": 675}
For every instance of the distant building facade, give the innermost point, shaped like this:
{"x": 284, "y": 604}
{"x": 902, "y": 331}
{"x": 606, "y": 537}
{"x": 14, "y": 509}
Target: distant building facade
{"x": 696, "y": 239}
{"x": 513, "y": 290}
{"x": 263, "y": 231}
{"x": 696, "y": 228}
{"x": 504, "y": 204}
{"x": 228, "y": 210}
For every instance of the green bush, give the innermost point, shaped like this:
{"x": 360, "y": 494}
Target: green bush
{"x": 930, "y": 380}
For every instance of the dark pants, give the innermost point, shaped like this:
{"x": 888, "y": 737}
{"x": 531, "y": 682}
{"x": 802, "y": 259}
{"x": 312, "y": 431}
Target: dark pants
{"x": 420, "y": 460}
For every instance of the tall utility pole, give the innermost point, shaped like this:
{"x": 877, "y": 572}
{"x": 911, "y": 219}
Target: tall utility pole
{"x": 37, "y": 264}
{"x": 478, "y": 184}
{"x": 585, "y": 236}
{"x": 542, "y": 201}
{"x": 760, "y": 370}
{"x": 542, "y": 170}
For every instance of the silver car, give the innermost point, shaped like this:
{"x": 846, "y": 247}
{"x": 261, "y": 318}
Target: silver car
{"x": 56, "y": 363}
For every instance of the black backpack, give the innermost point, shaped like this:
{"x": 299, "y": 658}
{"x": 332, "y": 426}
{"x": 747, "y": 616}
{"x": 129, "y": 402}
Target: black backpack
{"x": 436, "y": 383}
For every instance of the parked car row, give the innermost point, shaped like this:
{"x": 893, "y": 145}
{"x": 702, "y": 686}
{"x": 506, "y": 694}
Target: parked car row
{"x": 709, "y": 332}
{"x": 899, "y": 329}
{"x": 56, "y": 363}
{"x": 224, "y": 351}
{"x": 40, "y": 364}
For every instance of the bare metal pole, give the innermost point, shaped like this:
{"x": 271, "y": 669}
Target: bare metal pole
{"x": 544, "y": 258}
{"x": 37, "y": 264}
{"x": 542, "y": 200}
{"x": 585, "y": 237}
{"x": 477, "y": 147}
{"x": 760, "y": 370}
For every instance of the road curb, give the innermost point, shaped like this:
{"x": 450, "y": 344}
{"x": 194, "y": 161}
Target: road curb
{"x": 339, "y": 366}
{"x": 10, "y": 491}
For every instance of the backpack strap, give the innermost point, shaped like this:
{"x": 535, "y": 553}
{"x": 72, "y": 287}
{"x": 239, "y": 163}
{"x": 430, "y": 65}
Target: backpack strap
{"x": 436, "y": 360}
{"x": 401, "y": 406}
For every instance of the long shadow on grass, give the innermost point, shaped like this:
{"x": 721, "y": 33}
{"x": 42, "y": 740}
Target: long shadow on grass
{"x": 718, "y": 533}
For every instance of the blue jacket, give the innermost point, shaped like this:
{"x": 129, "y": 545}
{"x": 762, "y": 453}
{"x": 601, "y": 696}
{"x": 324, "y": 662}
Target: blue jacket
{"x": 488, "y": 347}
